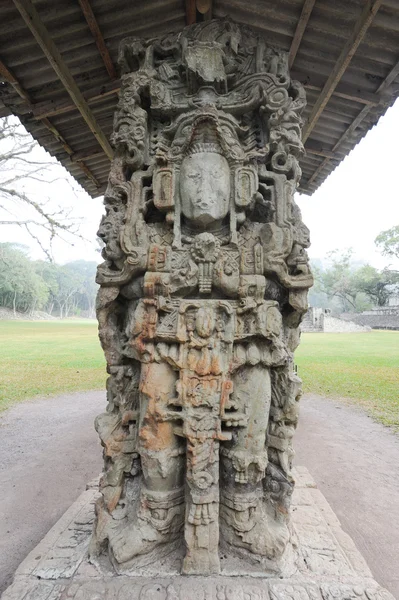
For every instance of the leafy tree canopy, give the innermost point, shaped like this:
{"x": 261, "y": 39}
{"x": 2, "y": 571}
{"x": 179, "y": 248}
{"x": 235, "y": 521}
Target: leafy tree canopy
{"x": 388, "y": 242}
{"x": 61, "y": 290}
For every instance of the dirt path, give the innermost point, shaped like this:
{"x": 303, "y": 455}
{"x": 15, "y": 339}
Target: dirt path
{"x": 49, "y": 450}
{"x": 355, "y": 463}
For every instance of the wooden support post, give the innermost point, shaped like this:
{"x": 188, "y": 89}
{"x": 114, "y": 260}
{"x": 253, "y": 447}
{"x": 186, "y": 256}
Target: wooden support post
{"x": 191, "y": 12}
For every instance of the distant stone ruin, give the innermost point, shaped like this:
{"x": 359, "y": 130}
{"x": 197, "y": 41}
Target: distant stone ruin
{"x": 320, "y": 320}
{"x": 383, "y": 317}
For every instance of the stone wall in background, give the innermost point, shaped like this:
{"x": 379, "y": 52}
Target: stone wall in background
{"x": 320, "y": 320}
{"x": 337, "y": 325}
{"x": 379, "y": 318}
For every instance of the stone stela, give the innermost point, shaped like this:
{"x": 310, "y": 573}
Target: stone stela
{"x": 202, "y": 290}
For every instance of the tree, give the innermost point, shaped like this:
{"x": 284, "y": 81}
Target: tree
{"x": 356, "y": 287}
{"x": 338, "y": 280}
{"x": 21, "y": 288}
{"x": 388, "y": 242}
{"x": 49, "y": 273}
{"x": 24, "y": 179}
{"x": 69, "y": 283}
{"x": 379, "y": 286}
{"x": 86, "y": 295}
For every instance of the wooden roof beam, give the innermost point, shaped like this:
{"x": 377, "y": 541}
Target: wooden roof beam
{"x": 42, "y": 36}
{"x": 86, "y": 154}
{"x": 100, "y": 43}
{"x": 368, "y": 13}
{"x": 343, "y": 90}
{"x": 389, "y": 79}
{"x": 300, "y": 30}
{"x": 6, "y": 74}
{"x": 50, "y": 109}
{"x": 318, "y": 150}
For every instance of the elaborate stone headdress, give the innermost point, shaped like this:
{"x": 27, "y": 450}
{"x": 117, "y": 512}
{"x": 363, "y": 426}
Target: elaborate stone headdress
{"x": 205, "y": 138}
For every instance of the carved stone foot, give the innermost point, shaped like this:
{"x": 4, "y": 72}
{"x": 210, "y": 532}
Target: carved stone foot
{"x": 247, "y": 523}
{"x": 160, "y": 520}
{"x": 140, "y": 538}
{"x": 202, "y": 540}
{"x": 201, "y": 561}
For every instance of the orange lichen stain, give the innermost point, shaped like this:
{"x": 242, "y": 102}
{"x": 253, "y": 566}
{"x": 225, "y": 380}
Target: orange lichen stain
{"x": 215, "y": 365}
{"x": 155, "y": 434}
{"x": 113, "y": 501}
{"x": 227, "y": 389}
{"x": 128, "y": 416}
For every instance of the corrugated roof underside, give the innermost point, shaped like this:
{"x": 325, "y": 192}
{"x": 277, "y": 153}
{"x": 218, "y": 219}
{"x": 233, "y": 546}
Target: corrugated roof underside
{"x": 329, "y": 27}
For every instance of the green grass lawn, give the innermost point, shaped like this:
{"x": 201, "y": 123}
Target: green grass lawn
{"x": 362, "y": 367}
{"x": 48, "y": 357}
{"x": 45, "y": 358}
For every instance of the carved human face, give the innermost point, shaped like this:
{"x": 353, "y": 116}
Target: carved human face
{"x": 108, "y": 232}
{"x": 204, "y": 188}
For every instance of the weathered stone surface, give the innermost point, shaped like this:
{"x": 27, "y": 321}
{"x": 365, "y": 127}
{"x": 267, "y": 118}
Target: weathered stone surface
{"x": 203, "y": 287}
{"x": 326, "y": 565}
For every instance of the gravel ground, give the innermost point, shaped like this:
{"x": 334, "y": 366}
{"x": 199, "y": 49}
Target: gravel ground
{"x": 49, "y": 450}
{"x": 355, "y": 463}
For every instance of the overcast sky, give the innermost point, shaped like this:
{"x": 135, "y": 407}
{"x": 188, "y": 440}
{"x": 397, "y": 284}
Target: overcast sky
{"x": 357, "y": 201}
{"x": 360, "y": 198}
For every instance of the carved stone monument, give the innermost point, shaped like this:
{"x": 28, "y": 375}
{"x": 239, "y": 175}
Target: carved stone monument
{"x": 202, "y": 291}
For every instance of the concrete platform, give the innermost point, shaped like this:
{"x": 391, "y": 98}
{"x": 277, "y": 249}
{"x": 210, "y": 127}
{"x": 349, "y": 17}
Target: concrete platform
{"x": 327, "y": 564}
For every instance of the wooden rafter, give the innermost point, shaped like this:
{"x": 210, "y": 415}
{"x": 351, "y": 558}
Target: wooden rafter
{"x": 343, "y": 90}
{"x": 6, "y": 74}
{"x": 300, "y": 30}
{"x": 50, "y": 109}
{"x": 368, "y": 13}
{"x": 95, "y": 30}
{"x": 389, "y": 79}
{"x": 318, "y": 150}
{"x": 42, "y": 36}
{"x": 86, "y": 154}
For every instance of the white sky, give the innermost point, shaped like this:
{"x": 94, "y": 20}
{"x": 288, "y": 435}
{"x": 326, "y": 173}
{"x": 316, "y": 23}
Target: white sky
{"x": 357, "y": 201}
{"x": 360, "y": 198}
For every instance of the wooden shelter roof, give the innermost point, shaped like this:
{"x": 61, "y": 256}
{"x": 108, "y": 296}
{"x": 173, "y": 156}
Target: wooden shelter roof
{"x": 59, "y": 73}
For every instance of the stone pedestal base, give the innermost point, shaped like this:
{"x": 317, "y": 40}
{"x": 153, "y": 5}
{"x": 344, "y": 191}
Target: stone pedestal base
{"x": 321, "y": 564}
